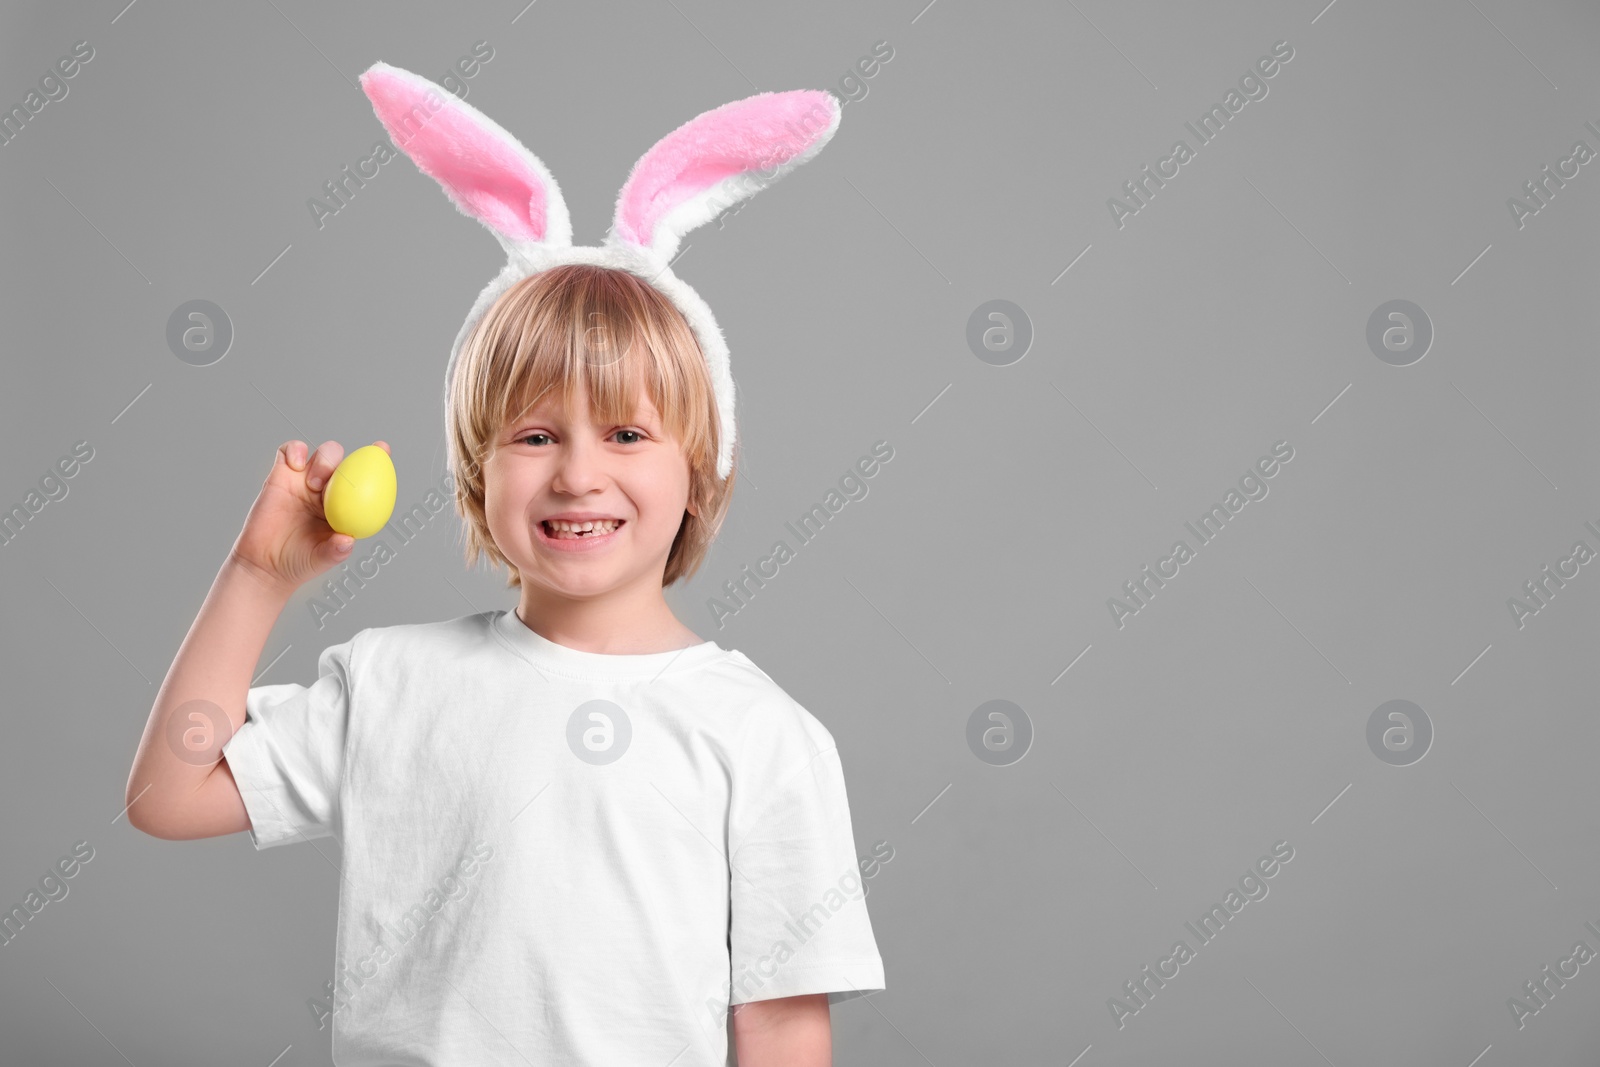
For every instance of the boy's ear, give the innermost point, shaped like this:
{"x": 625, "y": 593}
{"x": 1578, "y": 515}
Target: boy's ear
{"x": 716, "y": 160}
{"x": 485, "y": 171}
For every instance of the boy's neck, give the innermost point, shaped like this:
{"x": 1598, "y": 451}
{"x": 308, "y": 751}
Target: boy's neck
{"x": 607, "y": 627}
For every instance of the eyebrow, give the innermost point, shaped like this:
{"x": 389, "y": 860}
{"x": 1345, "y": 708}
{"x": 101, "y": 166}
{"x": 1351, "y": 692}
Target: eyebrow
{"x": 641, "y": 417}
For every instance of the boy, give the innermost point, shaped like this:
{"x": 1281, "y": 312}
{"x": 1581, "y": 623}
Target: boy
{"x": 573, "y": 833}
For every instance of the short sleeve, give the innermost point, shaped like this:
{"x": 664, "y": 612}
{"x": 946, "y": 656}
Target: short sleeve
{"x": 288, "y": 756}
{"x": 799, "y": 915}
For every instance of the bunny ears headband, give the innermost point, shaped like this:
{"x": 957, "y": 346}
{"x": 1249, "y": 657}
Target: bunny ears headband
{"x": 705, "y": 166}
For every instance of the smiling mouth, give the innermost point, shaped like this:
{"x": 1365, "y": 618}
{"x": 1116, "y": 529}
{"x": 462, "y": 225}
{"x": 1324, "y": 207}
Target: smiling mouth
{"x": 573, "y": 531}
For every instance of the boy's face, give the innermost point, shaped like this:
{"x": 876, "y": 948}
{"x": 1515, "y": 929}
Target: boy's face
{"x": 543, "y": 467}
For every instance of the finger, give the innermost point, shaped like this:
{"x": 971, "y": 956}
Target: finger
{"x": 294, "y": 454}
{"x": 385, "y": 446}
{"x": 328, "y": 456}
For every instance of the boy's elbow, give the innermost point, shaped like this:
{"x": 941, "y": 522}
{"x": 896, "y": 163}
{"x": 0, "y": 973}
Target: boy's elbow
{"x": 136, "y": 805}
{"x": 141, "y": 821}
{"x": 212, "y": 808}
{"x": 163, "y": 829}
{"x": 143, "y": 815}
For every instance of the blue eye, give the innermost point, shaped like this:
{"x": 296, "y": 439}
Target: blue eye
{"x": 635, "y": 433}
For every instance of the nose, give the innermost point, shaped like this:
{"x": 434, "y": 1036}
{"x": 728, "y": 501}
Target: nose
{"x": 580, "y": 467}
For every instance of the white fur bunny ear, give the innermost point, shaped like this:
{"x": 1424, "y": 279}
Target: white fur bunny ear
{"x": 716, "y": 160}
{"x": 486, "y": 172}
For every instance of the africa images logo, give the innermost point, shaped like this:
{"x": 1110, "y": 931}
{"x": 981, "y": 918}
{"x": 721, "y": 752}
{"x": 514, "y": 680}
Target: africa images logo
{"x": 1252, "y": 485}
{"x": 1252, "y": 86}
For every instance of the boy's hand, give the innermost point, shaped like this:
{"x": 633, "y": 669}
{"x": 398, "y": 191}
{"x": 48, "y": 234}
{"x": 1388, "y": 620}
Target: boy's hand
{"x": 286, "y": 540}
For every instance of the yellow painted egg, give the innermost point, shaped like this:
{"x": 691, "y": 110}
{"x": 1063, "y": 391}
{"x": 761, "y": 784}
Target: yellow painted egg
{"x": 359, "y": 498}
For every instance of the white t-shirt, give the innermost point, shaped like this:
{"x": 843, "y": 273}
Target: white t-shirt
{"x": 554, "y": 856}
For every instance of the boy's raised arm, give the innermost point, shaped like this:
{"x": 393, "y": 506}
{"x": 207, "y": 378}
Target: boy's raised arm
{"x": 180, "y": 787}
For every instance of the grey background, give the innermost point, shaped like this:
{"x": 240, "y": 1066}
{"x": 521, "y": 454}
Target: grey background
{"x": 1228, "y": 314}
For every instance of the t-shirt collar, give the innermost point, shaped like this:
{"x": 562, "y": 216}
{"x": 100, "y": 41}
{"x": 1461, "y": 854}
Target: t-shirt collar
{"x": 545, "y": 654}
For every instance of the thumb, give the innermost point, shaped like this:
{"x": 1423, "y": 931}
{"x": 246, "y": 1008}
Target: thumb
{"x": 335, "y": 550}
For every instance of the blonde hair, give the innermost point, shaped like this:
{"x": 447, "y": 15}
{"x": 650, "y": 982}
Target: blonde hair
{"x": 613, "y": 331}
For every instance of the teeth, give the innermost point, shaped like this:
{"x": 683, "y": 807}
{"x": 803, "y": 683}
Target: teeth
{"x": 560, "y": 528}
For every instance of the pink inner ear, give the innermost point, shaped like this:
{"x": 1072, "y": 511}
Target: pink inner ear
{"x": 484, "y": 171}
{"x": 757, "y": 133}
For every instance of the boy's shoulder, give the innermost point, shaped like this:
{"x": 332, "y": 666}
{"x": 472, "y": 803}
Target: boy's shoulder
{"x": 775, "y": 724}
